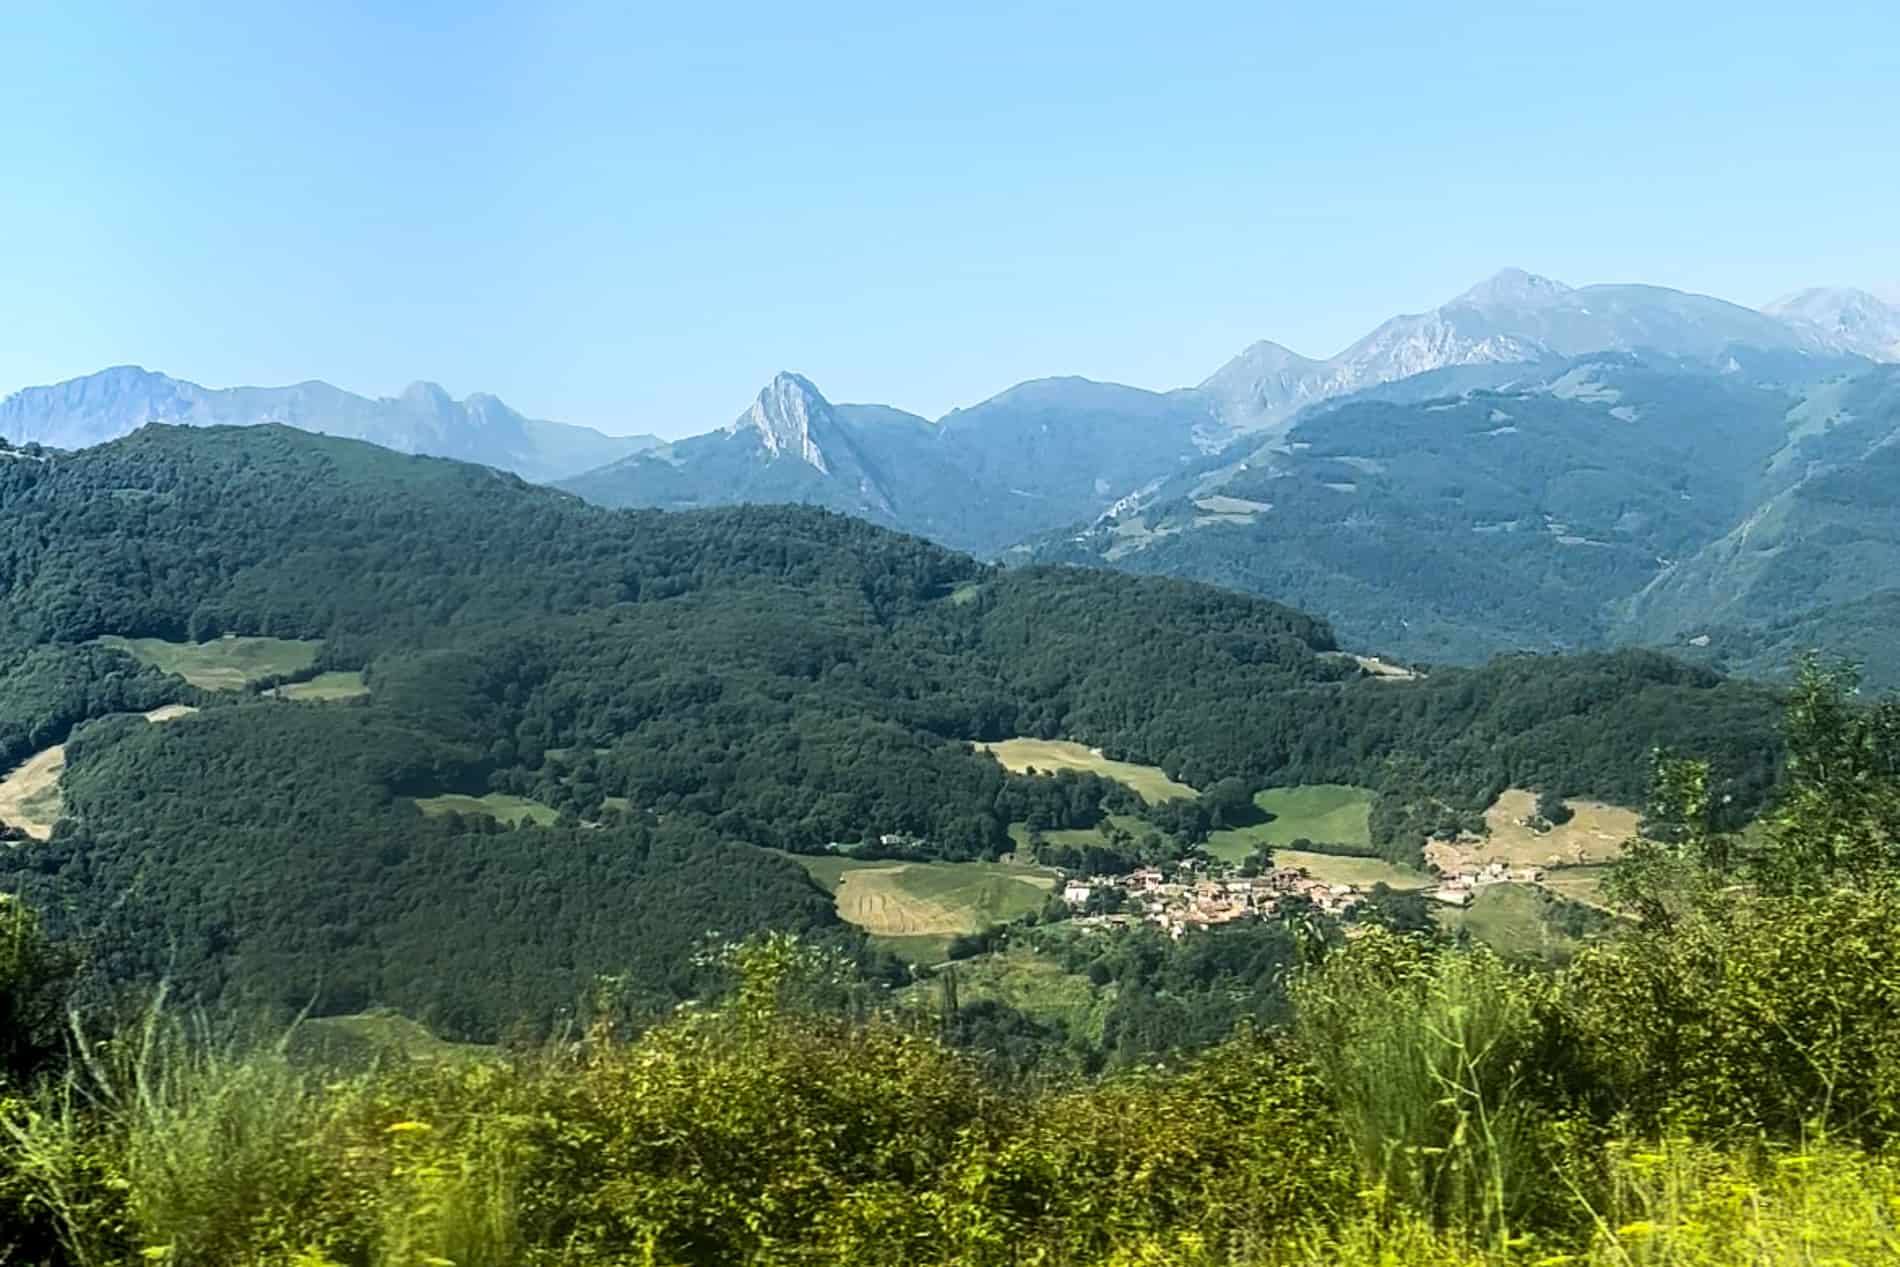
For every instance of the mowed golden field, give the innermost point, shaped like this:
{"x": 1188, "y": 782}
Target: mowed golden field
{"x": 1046, "y": 756}
{"x": 926, "y": 903}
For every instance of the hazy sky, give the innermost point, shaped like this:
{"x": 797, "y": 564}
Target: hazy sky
{"x": 631, "y": 215}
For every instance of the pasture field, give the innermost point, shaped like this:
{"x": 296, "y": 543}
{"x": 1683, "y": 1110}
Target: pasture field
{"x": 497, "y": 805}
{"x": 1509, "y": 918}
{"x": 1594, "y": 836}
{"x": 1579, "y": 884}
{"x": 1333, "y": 813}
{"x": 1361, "y": 873}
{"x": 1019, "y": 832}
{"x": 227, "y": 664}
{"x": 29, "y": 793}
{"x": 325, "y": 687}
{"x": 1050, "y": 755}
{"x": 904, "y": 901}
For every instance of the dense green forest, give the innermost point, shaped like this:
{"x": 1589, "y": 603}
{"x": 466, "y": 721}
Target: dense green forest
{"x": 679, "y": 688}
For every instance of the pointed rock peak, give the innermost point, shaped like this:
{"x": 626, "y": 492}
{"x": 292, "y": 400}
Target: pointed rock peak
{"x": 424, "y": 393}
{"x": 1513, "y": 288}
{"x": 784, "y": 416}
{"x": 1268, "y": 355}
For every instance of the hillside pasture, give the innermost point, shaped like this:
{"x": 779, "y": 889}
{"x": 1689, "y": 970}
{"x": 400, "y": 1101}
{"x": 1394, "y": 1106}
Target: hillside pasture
{"x": 1361, "y": 873}
{"x": 496, "y": 805}
{"x": 918, "y": 906}
{"x": 1594, "y": 835}
{"x": 1046, "y": 756}
{"x": 29, "y": 794}
{"x": 1334, "y": 813}
{"x": 325, "y": 688}
{"x": 225, "y": 664}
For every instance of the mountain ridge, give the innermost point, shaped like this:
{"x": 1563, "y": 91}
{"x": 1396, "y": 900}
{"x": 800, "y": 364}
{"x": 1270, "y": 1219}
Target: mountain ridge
{"x": 422, "y": 419}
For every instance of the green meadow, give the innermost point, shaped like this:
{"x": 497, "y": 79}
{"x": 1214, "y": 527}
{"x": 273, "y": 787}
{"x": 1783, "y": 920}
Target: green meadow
{"x": 225, "y": 664}
{"x": 1332, "y": 813}
{"x": 1046, "y": 756}
{"x": 497, "y": 805}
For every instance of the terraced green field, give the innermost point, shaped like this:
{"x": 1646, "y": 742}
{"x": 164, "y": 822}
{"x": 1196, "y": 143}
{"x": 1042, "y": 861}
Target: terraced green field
{"x": 1336, "y": 813}
{"x": 226, "y": 664}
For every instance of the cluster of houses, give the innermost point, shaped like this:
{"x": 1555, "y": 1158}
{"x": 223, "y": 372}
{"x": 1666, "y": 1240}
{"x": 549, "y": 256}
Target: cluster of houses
{"x": 1198, "y": 898}
{"x": 1459, "y": 888}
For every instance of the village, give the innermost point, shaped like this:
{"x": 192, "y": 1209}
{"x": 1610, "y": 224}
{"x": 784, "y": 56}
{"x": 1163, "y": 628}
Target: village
{"x": 1205, "y": 894}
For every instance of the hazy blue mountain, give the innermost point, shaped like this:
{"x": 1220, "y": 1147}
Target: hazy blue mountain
{"x": 1614, "y": 497}
{"x": 1855, "y": 319}
{"x": 1512, "y": 317}
{"x": 1040, "y": 455}
{"x": 424, "y": 419}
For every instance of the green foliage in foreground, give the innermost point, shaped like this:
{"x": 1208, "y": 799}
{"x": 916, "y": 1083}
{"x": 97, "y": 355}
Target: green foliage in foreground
{"x": 1458, "y": 1123}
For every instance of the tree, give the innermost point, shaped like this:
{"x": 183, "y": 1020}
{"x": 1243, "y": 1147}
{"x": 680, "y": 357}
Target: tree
{"x": 1840, "y": 819}
{"x": 1552, "y": 809}
{"x": 1230, "y": 804}
{"x": 35, "y": 978}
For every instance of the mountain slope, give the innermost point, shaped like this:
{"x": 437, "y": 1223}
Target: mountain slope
{"x": 1520, "y": 516}
{"x": 1509, "y": 318}
{"x": 1039, "y": 455}
{"x": 1827, "y": 538}
{"x": 423, "y": 420}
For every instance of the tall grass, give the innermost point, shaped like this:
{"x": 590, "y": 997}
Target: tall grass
{"x": 1426, "y": 1058}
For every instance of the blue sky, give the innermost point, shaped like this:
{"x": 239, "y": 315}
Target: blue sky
{"x": 630, "y": 218}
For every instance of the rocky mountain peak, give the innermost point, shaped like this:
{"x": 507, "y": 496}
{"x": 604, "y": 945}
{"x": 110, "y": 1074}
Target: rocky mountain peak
{"x": 787, "y": 413}
{"x": 426, "y": 395}
{"x": 1857, "y": 320}
{"x": 1514, "y": 288}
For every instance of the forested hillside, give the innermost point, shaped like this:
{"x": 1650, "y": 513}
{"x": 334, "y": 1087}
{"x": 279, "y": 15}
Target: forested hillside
{"x": 1622, "y": 499}
{"x": 679, "y": 689}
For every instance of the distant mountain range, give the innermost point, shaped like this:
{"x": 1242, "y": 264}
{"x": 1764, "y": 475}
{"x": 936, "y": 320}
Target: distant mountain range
{"x": 1512, "y": 318}
{"x": 424, "y": 419}
{"x": 1529, "y": 465}
{"x": 1041, "y": 455}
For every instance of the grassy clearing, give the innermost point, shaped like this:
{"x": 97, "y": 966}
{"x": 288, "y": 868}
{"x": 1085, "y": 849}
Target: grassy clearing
{"x": 1579, "y": 884}
{"x": 936, "y": 900}
{"x": 1335, "y": 813}
{"x": 228, "y": 664}
{"x": 497, "y": 805}
{"x": 1050, "y": 755}
{"x": 325, "y": 688}
{"x": 1361, "y": 873}
{"x": 1510, "y": 919}
{"x": 1035, "y": 985}
{"x": 29, "y": 794}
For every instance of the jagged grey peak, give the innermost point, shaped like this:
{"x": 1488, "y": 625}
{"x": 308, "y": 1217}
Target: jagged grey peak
{"x": 785, "y": 416}
{"x": 1512, "y": 317}
{"x": 1859, "y": 321}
